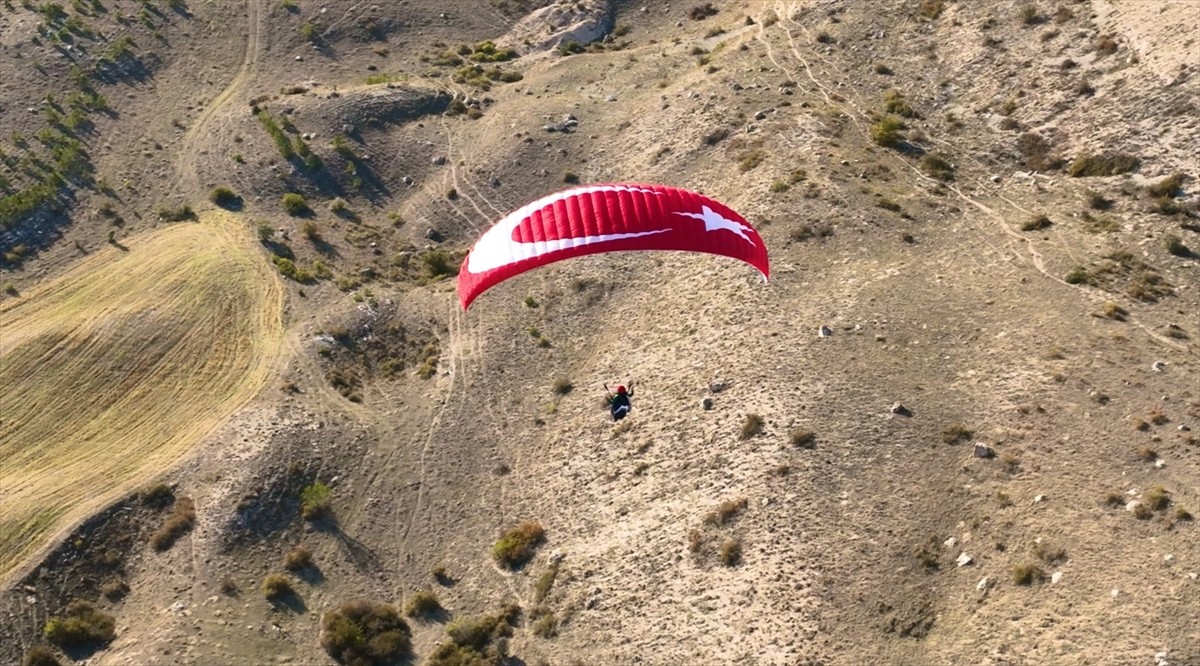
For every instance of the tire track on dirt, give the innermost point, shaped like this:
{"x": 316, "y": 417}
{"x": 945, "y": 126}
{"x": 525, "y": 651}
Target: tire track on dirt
{"x": 189, "y": 153}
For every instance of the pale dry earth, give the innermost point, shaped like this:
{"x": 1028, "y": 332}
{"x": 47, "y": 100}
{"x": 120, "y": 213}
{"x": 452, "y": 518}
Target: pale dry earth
{"x": 936, "y": 296}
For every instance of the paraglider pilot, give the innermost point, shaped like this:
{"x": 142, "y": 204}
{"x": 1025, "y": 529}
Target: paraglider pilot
{"x": 619, "y": 404}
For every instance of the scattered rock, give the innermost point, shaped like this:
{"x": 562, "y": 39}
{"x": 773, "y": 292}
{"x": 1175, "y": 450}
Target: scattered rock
{"x": 1168, "y": 557}
{"x": 439, "y": 160}
{"x": 824, "y": 331}
{"x": 1158, "y": 366}
{"x": 1160, "y": 463}
{"x": 1055, "y": 577}
{"x": 717, "y": 385}
{"x": 706, "y": 403}
{"x": 1133, "y": 505}
{"x": 983, "y": 451}
{"x": 434, "y": 235}
{"x": 983, "y": 584}
{"x": 950, "y": 543}
{"x": 407, "y": 180}
{"x": 1039, "y": 498}
{"x": 963, "y": 560}
{"x": 901, "y": 410}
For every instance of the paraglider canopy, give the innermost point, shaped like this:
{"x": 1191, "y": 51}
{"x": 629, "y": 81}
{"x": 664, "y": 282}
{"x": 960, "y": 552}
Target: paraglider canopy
{"x": 606, "y": 218}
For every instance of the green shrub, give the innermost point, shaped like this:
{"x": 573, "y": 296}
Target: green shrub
{"x": 1078, "y": 275}
{"x": 894, "y": 103}
{"x": 264, "y": 231}
{"x": 516, "y": 546}
{"x": 295, "y": 204}
{"x": 297, "y": 559}
{"x": 224, "y": 197}
{"x": 365, "y": 633}
{"x": 937, "y": 166}
{"x": 40, "y": 655}
{"x": 1027, "y": 573}
{"x": 886, "y": 132}
{"x": 310, "y": 230}
{"x": 82, "y": 624}
{"x": 316, "y": 501}
{"x": 176, "y": 214}
{"x": 180, "y": 522}
{"x": 422, "y": 604}
{"x": 308, "y": 32}
{"x": 291, "y": 271}
{"x": 753, "y": 425}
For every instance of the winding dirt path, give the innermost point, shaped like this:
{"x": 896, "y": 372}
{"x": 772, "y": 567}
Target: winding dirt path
{"x": 186, "y": 170}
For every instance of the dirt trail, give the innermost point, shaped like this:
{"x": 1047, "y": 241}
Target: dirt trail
{"x": 198, "y": 135}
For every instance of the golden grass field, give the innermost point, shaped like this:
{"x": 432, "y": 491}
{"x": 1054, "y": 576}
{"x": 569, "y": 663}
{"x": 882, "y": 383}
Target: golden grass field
{"x": 113, "y": 370}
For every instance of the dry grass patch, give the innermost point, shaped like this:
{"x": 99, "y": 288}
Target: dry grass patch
{"x": 190, "y": 315}
{"x": 298, "y": 559}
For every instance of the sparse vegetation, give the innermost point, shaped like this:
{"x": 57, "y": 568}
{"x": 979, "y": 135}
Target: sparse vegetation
{"x": 516, "y": 546}
{"x": 81, "y": 625}
{"x": 731, "y": 552}
{"x": 545, "y": 582}
{"x": 176, "y": 213}
{"x": 937, "y": 166}
{"x": 365, "y": 633}
{"x": 114, "y": 590}
{"x": 474, "y": 641}
{"x": 563, "y": 386}
{"x": 751, "y": 426}
{"x": 1078, "y": 275}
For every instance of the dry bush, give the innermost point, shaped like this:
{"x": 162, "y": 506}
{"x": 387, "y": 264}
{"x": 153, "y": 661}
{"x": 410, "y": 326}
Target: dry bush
{"x": 516, "y": 546}
{"x": 1037, "y": 154}
{"x": 422, "y": 603}
{"x": 1048, "y": 553}
{"x": 1109, "y": 164}
{"x": 180, "y": 522}
{"x": 276, "y": 585}
{"x": 955, "y": 433}
{"x": 40, "y": 655}
{"x": 1158, "y": 498}
{"x": 731, "y": 552}
{"x": 1114, "y": 500}
{"x": 229, "y": 586}
{"x": 1027, "y": 573}
{"x": 753, "y": 425}
{"x": 114, "y": 590}
{"x": 159, "y": 496}
{"x": 365, "y": 633}
{"x": 937, "y": 166}
{"x": 1036, "y": 223}
{"x": 563, "y": 386}
{"x": 297, "y": 559}
{"x": 931, "y": 9}
{"x": 803, "y": 439}
{"x": 726, "y": 511}
{"x": 546, "y": 626}
{"x": 544, "y": 582}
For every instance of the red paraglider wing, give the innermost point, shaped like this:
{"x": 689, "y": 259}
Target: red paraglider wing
{"x": 606, "y": 218}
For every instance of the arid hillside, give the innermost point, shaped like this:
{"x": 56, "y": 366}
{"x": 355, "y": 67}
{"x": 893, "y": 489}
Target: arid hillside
{"x": 245, "y": 421}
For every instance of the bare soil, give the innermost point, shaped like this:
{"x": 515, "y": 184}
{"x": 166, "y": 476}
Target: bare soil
{"x": 1069, "y": 348}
